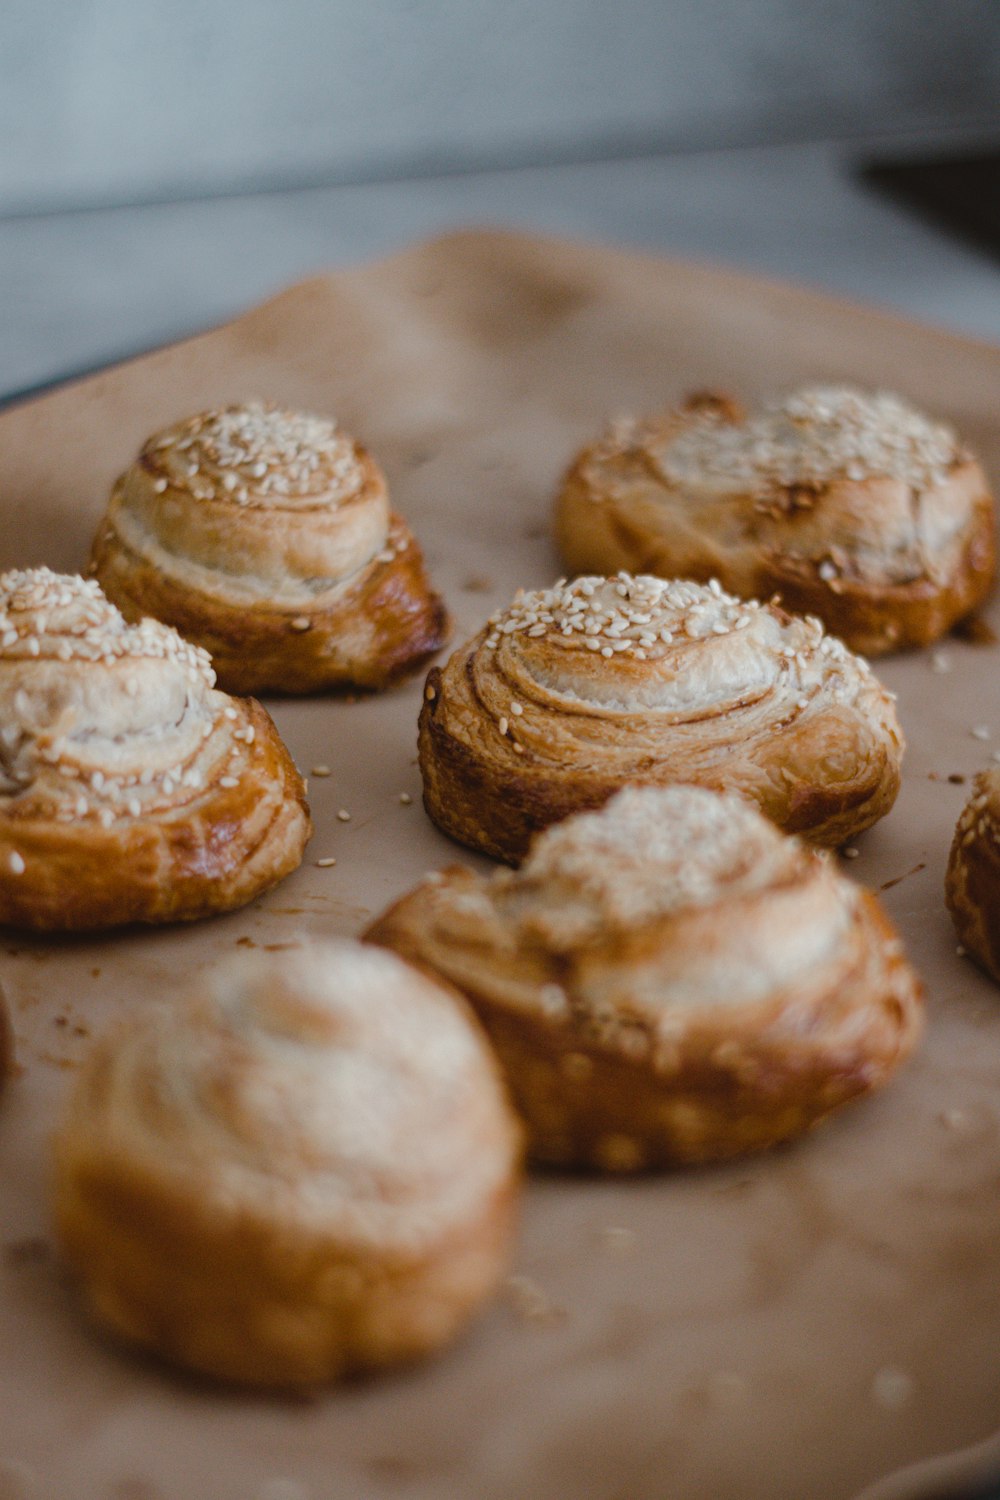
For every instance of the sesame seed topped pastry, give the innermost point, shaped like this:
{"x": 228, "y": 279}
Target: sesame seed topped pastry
{"x": 972, "y": 884}
{"x": 575, "y": 690}
{"x": 130, "y": 789}
{"x": 266, "y": 537}
{"x": 302, "y": 1167}
{"x": 670, "y": 979}
{"x": 852, "y": 506}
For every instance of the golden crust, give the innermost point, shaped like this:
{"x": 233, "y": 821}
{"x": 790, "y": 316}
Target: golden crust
{"x": 888, "y": 545}
{"x": 972, "y": 882}
{"x": 577, "y": 690}
{"x": 669, "y": 980}
{"x": 130, "y": 790}
{"x": 301, "y": 1169}
{"x": 273, "y": 548}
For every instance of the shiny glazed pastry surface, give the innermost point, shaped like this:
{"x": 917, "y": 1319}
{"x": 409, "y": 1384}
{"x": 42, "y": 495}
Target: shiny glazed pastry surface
{"x": 131, "y": 790}
{"x": 852, "y": 506}
{"x": 304, "y": 1166}
{"x": 972, "y": 883}
{"x": 574, "y": 691}
{"x": 670, "y": 979}
{"x": 266, "y": 536}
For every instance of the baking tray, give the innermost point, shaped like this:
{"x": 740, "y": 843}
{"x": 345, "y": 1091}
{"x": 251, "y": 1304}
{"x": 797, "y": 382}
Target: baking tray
{"x": 811, "y": 1323}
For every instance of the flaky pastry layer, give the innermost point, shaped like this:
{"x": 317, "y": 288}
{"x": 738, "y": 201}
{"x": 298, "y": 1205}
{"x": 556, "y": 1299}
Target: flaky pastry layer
{"x": 576, "y": 690}
{"x": 972, "y": 882}
{"x": 852, "y": 507}
{"x": 130, "y": 789}
{"x": 669, "y": 980}
{"x": 302, "y": 1167}
{"x": 266, "y": 537}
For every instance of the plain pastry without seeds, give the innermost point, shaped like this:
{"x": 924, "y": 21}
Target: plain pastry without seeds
{"x": 266, "y": 536}
{"x": 302, "y": 1166}
{"x": 575, "y": 690}
{"x": 972, "y": 884}
{"x": 130, "y": 789}
{"x": 670, "y": 979}
{"x": 852, "y": 506}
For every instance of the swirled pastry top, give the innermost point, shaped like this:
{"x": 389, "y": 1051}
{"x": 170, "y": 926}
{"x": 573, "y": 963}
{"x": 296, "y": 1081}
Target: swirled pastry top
{"x": 576, "y": 689}
{"x": 743, "y": 913}
{"x": 287, "y": 505}
{"x": 131, "y": 789}
{"x": 336, "y": 1091}
{"x": 119, "y": 713}
{"x": 855, "y": 505}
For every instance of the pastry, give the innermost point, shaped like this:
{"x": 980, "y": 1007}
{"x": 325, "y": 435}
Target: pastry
{"x": 575, "y": 690}
{"x": 972, "y": 883}
{"x": 130, "y": 789}
{"x": 266, "y": 537}
{"x": 304, "y": 1166}
{"x": 670, "y": 979}
{"x": 853, "y": 507}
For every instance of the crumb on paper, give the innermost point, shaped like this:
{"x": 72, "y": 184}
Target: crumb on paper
{"x": 851, "y": 853}
{"x": 320, "y": 771}
{"x": 980, "y": 731}
{"x": 617, "y": 1238}
{"x": 892, "y": 1388}
{"x": 956, "y": 778}
{"x": 530, "y": 1302}
{"x": 326, "y": 863}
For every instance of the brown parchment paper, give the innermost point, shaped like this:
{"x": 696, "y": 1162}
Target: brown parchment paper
{"x": 801, "y": 1325}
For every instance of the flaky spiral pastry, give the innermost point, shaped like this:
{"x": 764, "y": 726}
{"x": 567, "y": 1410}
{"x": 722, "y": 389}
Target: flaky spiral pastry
{"x": 972, "y": 882}
{"x": 266, "y": 537}
{"x": 575, "y": 690}
{"x": 853, "y": 506}
{"x": 304, "y": 1166}
{"x": 670, "y": 979}
{"x": 130, "y": 789}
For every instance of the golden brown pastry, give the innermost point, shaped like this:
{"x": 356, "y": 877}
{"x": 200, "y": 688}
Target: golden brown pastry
{"x": 575, "y": 690}
{"x": 972, "y": 884}
{"x": 130, "y": 789}
{"x": 266, "y": 537}
{"x": 853, "y": 506}
{"x": 305, "y": 1166}
{"x": 670, "y": 979}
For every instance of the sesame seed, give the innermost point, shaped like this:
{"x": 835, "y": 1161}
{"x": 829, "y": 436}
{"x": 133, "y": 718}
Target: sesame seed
{"x": 320, "y": 771}
{"x": 430, "y": 693}
{"x": 343, "y": 815}
{"x": 300, "y": 622}
{"x": 503, "y": 726}
{"x": 850, "y": 853}
{"x": 16, "y": 862}
{"x": 228, "y": 782}
{"x": 326, "y": 863}
{"x": 405, "y": 799}
{"x": 980, "y": 732}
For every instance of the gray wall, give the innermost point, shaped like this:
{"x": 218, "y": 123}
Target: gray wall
{"x": 123, "y": 100}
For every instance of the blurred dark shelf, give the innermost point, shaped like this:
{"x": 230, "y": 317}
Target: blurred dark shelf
{"x": 959, "y": 193}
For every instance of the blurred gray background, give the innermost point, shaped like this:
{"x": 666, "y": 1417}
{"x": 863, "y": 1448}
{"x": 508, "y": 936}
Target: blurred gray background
{"x": 118, "y": 101}
{"x": 163, "y": 163}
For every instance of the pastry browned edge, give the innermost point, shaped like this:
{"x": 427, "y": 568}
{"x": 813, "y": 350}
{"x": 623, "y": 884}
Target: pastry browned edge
{"x": 131, "y": 790}
{"x": 575, "y": 690}
{"x": 669, "y": 980}
{"x": 303, "y": 1166}
{"x": 972, "y": 883}
{"x": 266, "y": 537}
{"x": 852, "y": 506}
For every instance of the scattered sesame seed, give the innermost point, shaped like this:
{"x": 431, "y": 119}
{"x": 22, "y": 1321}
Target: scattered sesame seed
{"x": 343, "y": 815}
{"x": 503, "y": 726}
{"x": 16, "y": 862}
{"x": 326, "y": 863}
{"x": 940, "y": 661}
{"x": 850, "y": 853}
{"x": 980, "y": 732}
{"x": 320, "y": 771}
{"x": 300, "y": 622}
{"x": 405, "y": 798}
